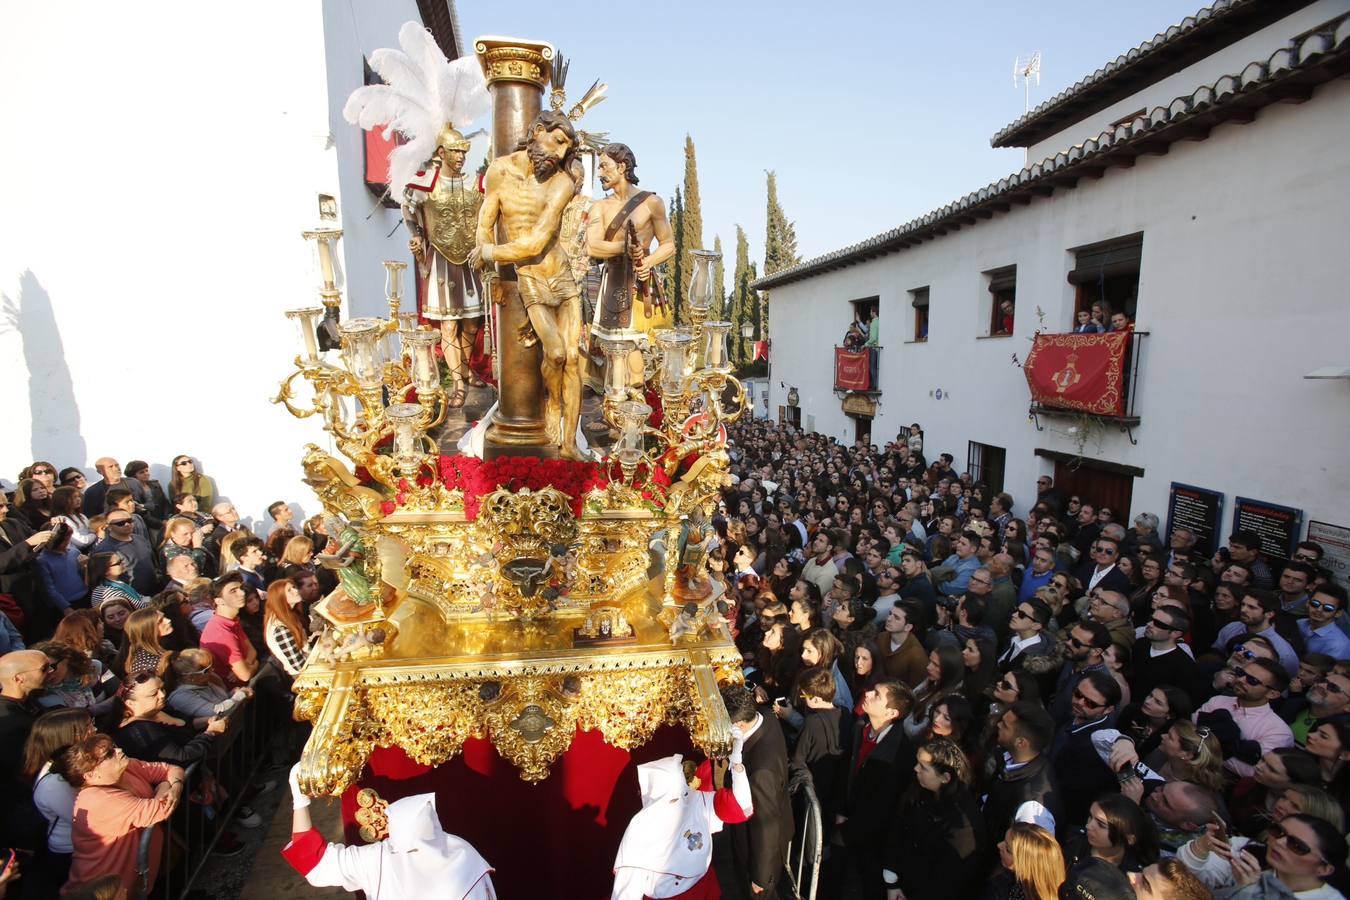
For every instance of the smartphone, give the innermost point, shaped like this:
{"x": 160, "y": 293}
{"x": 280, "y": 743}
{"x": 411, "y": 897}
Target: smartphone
{"x": 780, "y": 701}
{"x": 1222, "y": 827}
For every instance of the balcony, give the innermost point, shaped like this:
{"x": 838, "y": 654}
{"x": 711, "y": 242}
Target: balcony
{"x": 856, "y": 371}
{"x": 1094, "y": 375}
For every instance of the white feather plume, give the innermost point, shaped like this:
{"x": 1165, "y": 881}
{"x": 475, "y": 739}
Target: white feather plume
{"x": 422, "y": 93}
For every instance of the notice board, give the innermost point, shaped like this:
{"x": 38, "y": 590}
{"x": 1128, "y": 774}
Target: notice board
{"x": 1277, "y": 526}
{"x": 1198, "y": 510}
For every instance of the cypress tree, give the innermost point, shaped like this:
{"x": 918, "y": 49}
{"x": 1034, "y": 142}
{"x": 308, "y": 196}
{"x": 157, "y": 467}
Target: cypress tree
{"x": 691, "y": 217}
{"x": 719, "y": 279}
{"x": 780, "y": 249}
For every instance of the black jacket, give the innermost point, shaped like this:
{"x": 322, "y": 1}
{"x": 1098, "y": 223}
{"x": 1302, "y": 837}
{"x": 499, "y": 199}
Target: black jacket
{"x": 819, "y": 750}
{"x": 1081, "y": 773}
{"x": 871, "y": 792}
{"x": 1034, "y": 781}
{"x": 759, "y": 846}
{"x": 157, "y": 742}
{"x": 1175, "y": 667}
{"x": 936, "y": 845}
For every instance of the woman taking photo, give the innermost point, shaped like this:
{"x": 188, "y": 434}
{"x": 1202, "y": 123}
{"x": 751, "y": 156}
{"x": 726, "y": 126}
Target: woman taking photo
{"x": 118, "y": 798}
{"x": 1032, "y": 865}
{"x": 53, "y": 733}
{"x": 945, "y": 674}
{"x": 187, "y": 480}
{"x": 935, "y": 845}
{"x": 285, "y": 635}
{"x": 1303, "y": 852}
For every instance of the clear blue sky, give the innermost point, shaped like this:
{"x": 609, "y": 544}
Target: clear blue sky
{"x": 871, "y": 113}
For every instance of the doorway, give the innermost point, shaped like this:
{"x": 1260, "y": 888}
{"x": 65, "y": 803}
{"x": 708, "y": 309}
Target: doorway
{"x": 1101, "y": 484}
{"x": 863, "y": 431}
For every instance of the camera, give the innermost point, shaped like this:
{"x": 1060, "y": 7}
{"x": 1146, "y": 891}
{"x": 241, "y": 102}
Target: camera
{"x": 59, "y": 534}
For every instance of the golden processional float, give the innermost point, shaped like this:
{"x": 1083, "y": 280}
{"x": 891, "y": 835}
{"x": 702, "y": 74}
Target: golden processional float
{"x": 516, "y": 597}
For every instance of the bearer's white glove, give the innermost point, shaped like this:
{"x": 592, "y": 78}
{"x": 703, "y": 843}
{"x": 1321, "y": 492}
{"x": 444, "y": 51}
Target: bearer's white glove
{"x": 298, "y": 798}
{"x": 737, "y": 746}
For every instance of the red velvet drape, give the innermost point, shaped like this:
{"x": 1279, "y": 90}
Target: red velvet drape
{"x": 553, "y": 839}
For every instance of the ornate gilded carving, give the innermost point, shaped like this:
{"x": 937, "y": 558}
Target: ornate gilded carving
{"x": 507, "y": 59}
{"x": 372, "y": 816}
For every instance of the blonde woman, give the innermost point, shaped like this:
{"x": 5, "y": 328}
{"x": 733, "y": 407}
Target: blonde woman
{"x": 228, "y": 561}
{"x": 1033, "y": 865}
{"x": 297, "y": 557}
{"x": 187, "y": 480}
{"x": 183, "y": 537}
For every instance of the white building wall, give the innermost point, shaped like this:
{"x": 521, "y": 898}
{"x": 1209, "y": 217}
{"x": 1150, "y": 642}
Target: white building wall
{"x": 1241, "y": 287}
{"x": 1227, "y": 61}
{"x": 163, "y": 161}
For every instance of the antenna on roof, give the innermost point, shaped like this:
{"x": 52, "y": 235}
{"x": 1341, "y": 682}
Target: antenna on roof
{"x": 1025, "y": 69}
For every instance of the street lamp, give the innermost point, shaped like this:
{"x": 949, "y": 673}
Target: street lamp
{"x": 747, "y": 331}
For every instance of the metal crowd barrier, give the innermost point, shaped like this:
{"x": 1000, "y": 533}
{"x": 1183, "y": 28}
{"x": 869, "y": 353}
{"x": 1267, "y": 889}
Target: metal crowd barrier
{"x": 803, "y": 857}
{"x": 191, "y": 833}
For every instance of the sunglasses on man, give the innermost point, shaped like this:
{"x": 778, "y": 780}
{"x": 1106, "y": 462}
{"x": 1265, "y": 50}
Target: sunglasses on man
{"x": 1248, "y": 677}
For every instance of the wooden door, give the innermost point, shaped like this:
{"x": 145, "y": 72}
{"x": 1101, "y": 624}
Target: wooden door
{"x": 1097, "y": 486}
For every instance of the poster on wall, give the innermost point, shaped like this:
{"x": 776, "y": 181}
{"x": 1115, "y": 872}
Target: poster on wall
{"x": 1277, "y": 526}
{"x": 1335, "y": 540}
{"x": 1198, "y": 510}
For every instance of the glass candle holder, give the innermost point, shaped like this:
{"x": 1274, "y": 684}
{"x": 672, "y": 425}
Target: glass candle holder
{"x": 715, "y": 346}
{"x": 702, "y": 288}
{"x": 407, "y": 450}
{"x": 304, "y": 319}
{"x": 691, "y": 358}
{"x": 362, "y": 352}
{"x": 326, "y": 262}
{"x": 674, "y": 359}
{"x": 392, "y": 272}
{"x": 631, "y": 416}
{"x": 420, "y": 347}
{"x": 616, "y": 367}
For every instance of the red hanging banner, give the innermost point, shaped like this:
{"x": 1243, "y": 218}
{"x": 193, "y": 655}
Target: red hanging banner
{"x": 851, "y": 372}
{"x": 1083, "y": 372}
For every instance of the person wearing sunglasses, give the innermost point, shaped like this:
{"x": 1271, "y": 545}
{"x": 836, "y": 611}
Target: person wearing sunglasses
{"x": 1082, "y": 774}
{"x": 1100, "y": 569}
{"x": 1257, "y": 616}
{"x": 1260, "y": 729}
{"x": 1322, "y": 629}
{"x": 1167, "y": 660}
{"x": 1327, "y": 698}
{"x": 1302, "y": 853}
{"x": 1084, "y": 650}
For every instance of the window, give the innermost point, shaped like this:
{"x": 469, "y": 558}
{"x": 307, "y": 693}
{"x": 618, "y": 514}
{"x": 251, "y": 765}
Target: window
{"x": 985, "y": 464}
{"x": 1002, "y": 297}
{"x": 1106, "y": 275}
{"x": 918, "y": 298}
{"x": 863, "y": 311}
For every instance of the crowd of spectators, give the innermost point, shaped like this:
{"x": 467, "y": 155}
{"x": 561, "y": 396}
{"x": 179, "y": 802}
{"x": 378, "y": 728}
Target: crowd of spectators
{"x": 1024, "y": 698}
{"x": 136, "y": 624}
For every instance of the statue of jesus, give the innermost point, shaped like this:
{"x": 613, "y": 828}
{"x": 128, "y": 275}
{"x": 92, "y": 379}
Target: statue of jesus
{"x": 527, "y": 192}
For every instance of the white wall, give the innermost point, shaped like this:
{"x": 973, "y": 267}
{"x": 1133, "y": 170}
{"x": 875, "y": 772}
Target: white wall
{"x": 1229, "y": 60}
{"x": 1242, "y": 288}
{"x": 163, "y": 159}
